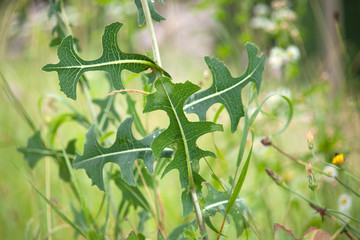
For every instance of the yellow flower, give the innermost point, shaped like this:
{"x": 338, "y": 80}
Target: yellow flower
{"x": 338, "y": 159}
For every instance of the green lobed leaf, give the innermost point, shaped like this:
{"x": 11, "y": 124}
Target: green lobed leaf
{"x": 113, "y": 61}
{"x": 154, "y": 14}
{"x": 35, "y": 150}
{"x": 217, "y": 201}
{"x": 131, "y": 193}
{"x": 79, "y": 219}
{"x": 170, "y": 98}
{"x": 125, "y": 150}
{"x": 226, "y": 89}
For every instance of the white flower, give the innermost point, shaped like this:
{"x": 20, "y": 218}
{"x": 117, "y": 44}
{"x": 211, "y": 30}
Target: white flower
{"x": 284, "y": 14}
{"x": 293, "y": 53}
{"x": 344, "y": 202}
{"x": 263, "y": 23}
{"x": 329, "y": 170}
{"x": 258, "y": 22}
{"x": 270, "y": 27}
{"x": 261, "y": 9}
{"x": 277, "y": 57}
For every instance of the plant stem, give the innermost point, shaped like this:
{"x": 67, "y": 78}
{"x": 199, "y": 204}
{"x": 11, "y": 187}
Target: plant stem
{"x": 89, "y": 102}
{"x": 15, "y": 101}
{"x": 48, "y": 196}
{"x": 150, "y": 26}
{"x": 198, "y": 212}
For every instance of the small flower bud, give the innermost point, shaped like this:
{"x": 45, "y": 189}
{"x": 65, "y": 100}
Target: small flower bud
{"x": 276, "y": 177}
{"x": 310, "y": 140}
{"x": 312, "y": 183}
{"x": 266, "y": 141}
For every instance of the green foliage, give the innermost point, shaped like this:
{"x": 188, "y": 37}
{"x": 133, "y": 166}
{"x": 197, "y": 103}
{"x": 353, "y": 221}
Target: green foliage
{"x": 36, "y": 150}
{"x": 217, "y": 201}
{"x": 137, "y": 197}
{"x": 113, "y": 61}
{"x": 226, "y": 89}
{"x": 154, "y": 14}
{"x": 170, "y": 98}
{"x": 132, "y": 236}
{"x": 107, "y": 112}
{"x": 131, "y": 194}
{"x": 125, "y": 150}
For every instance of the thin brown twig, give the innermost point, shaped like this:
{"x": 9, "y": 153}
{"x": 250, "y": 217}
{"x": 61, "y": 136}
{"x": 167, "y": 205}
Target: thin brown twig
{"x": 162, "y": 219}
{"x": 267, "y": 142}
{"x": 128, "y": 91}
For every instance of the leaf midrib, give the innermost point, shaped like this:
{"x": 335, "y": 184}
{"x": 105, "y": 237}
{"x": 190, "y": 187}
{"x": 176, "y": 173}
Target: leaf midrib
{"x": 112, "y": 154}
{"x": 223, "y": 91}
{"x": 187, "y": 154}
{"x": 82, "y": 66}
{"x": 116, "y": 153}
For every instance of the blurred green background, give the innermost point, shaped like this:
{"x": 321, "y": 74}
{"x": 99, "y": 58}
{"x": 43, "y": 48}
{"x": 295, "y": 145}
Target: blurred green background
{"x": 323, "y": 84}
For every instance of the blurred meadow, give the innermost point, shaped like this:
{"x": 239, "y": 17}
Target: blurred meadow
{"x": 312, "y": 54}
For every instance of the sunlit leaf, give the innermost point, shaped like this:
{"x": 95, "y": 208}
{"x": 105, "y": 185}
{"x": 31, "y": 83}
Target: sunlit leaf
{"x": 227, "y": 89}
{"x": 113, "y": 61}
{"x": 170, "y": 98}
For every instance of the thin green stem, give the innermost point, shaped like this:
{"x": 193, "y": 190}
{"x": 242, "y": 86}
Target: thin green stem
{"x": 77, "y": 189}
{"x": 343, "y": 214}
{"x": 150, "y": 26}
{"x": 48, "y": 196}
{"x": 316, "y": 197}
{"x": 15, "y": 101}
{"x": 89, "y": 103}
{"x": 106, "y": 111}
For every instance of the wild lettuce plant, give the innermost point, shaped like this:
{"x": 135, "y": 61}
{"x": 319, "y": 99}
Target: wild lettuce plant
{"x": 172, "y": 147}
